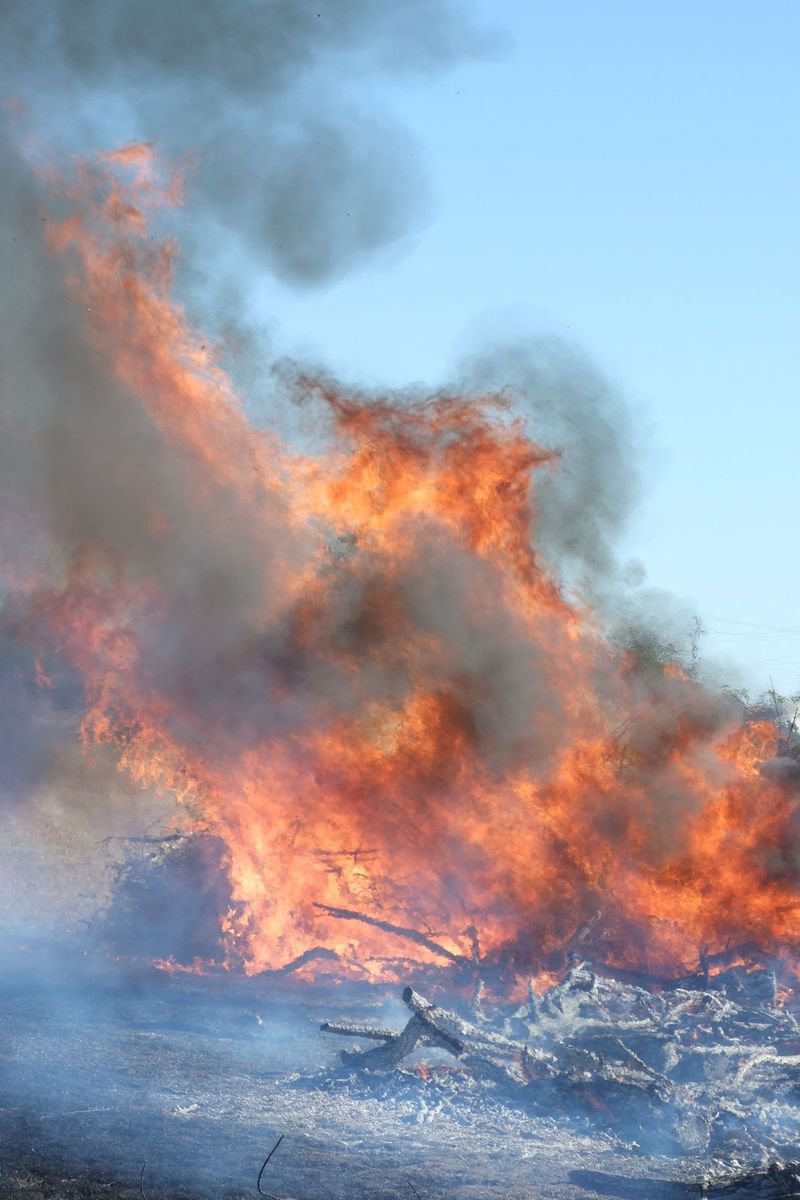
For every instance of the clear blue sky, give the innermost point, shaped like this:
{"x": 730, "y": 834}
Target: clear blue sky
{"x": 627, "y": 176}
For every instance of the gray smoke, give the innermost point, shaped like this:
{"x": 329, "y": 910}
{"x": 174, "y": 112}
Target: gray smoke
{"x": 584, "y": 500}
{"x": 290, "y": 159}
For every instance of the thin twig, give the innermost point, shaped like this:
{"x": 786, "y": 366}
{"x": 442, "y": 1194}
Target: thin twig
{"x": 141, "y": 1181}
{"x": 774, "y": 696}
{"x": 263, "y": 1166}
{"x": 414, "y": 1190}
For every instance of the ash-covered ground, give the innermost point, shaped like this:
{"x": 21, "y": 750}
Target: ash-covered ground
{"x": 121, "y": 1081}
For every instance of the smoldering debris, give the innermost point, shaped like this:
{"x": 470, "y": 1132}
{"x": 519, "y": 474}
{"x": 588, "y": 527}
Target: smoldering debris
{"x": 697, "y": 1068}
{"x": 780, "y": 1181}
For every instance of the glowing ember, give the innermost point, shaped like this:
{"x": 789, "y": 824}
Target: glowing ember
{"x": 364, "y": 681}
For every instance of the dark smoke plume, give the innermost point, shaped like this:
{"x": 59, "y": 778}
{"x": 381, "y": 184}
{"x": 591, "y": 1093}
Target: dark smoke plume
{"x": 290, "y": 159}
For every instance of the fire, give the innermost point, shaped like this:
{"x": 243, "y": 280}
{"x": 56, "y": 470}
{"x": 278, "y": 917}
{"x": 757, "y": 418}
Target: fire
{"x": 367, "y": 683}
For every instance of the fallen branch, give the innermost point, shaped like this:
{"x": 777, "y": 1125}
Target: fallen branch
{"x": 428, "y": 1026}
{"x": 372, "y": 1032}
{"x": 449, "y": 1027}
{"x": 382, "y": 1058}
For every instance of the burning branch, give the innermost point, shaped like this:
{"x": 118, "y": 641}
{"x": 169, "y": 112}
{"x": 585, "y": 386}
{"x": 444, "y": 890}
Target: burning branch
{"x": 413, "y": 935}
{"x": 316, "y": 952}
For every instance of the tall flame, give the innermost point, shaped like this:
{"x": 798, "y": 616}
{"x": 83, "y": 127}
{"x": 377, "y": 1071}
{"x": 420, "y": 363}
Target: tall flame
{"x": 405, "y": 716}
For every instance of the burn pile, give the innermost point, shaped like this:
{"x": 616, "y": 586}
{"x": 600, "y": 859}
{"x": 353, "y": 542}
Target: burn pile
{"x": 367, "y": 662}
{"x": 380, "y": 671}
{"x": 708, "y": 1066}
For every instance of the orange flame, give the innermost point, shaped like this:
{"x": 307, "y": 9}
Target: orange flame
{"x": 430, "y": 788}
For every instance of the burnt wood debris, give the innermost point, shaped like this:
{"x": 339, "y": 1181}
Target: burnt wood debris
{"x": 781, "y": 1181}
{"x": 708, "y": 1069}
